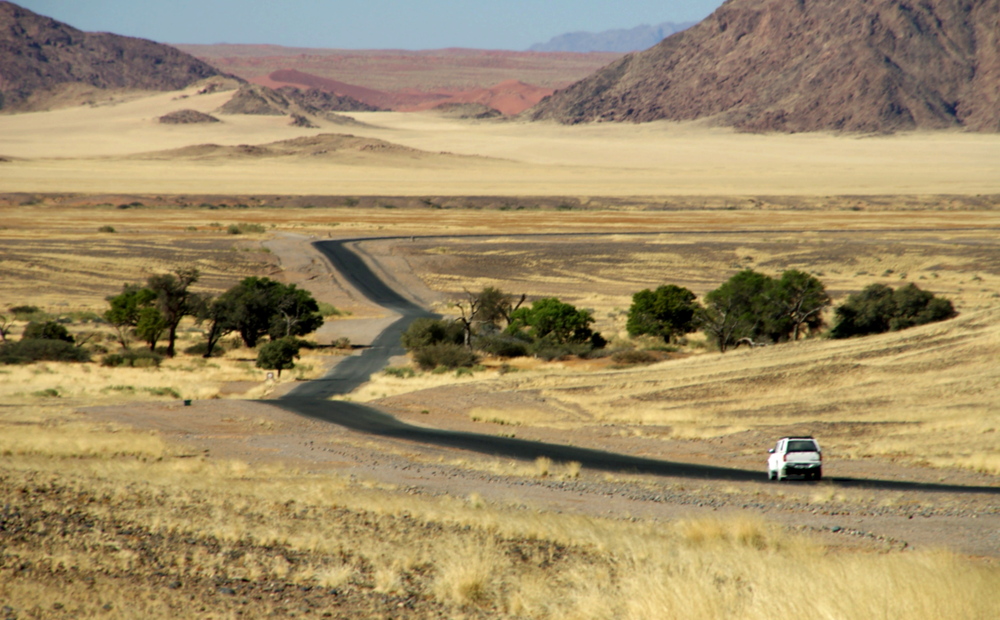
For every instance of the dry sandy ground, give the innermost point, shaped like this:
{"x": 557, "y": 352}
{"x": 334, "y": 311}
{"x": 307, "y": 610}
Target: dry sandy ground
{"x": 90, "y": 149}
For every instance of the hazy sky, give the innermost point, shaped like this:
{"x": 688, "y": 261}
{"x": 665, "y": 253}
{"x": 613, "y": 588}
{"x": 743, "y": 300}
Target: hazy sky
{"x": 360, "y": 24}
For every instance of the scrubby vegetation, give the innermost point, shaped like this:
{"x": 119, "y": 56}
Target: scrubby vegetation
{"x": 879, "y": 309}
{"x": 493, "y": 324}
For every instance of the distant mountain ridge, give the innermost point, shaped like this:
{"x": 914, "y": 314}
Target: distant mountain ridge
{"x": 619, "y": 40}
{"x": 796, "y": 65}
{"x": 38, "y": 53}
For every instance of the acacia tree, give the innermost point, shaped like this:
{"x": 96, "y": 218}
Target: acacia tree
{"x": 553, "y": 319}
{"x": 490, "y": 308}
{"x": 738, "y": 309}
{"x": 258, "y": 307}
{"x": 218, "y": 313}
{"x": 295, "y": 313}
{"x": 174, "y": 300}
{"x": 802, "y": 299}
{"x": 150, "y": 326}
{"x": 279, "y": 354}
{"x": 667, "y": 312}
{"x": 252, "y": 302}
{"x": 125, "y": 309}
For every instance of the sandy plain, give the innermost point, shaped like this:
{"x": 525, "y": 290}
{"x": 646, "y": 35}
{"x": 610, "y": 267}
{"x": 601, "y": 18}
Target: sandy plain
{"x": 92, "y": 149}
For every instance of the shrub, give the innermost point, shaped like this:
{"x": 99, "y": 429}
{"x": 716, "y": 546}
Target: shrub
{"x": 16, "y": 310}
{"x": 402, "y": 372}
{"x": 243, "y": 228}
{"x": 107, "y": 228}
{"x": 163, "y": 391}
{"x": 426, "y": 331}
{"x": 37, "y": 350}
{"x": 878, "y": 309}
{"x": 501, "y": 345}
{"x": 49, "y": 330}
{"x": 444, "y": 355}
{"x": 139, "y": 358}
{"x": 326, "y": 309}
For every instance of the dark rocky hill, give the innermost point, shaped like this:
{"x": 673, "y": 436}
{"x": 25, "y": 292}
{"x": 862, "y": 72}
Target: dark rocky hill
{"x": 808, "y": 65}
{"x": 38, "y": 53}
{"x": 618, "y": 40}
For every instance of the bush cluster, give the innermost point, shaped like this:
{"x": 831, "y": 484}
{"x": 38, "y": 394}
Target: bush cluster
{"x": 41, "y": 350}
{"x": 133, "y": 358}
{"x": 878, "y": 309}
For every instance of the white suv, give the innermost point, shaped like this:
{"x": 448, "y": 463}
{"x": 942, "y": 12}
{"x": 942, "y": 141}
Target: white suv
{"x": 795, "y": 456}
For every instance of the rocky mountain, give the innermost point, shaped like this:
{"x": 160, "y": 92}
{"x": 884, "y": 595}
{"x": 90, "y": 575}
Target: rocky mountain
{"x": 620, "y": 40}
{"x": 38, "y": 54}
{"x": 808, "y": 65}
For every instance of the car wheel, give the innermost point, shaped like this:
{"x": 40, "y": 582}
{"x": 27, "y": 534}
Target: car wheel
{"x": 818, "y": 475}
{"x": 770, "y": 475}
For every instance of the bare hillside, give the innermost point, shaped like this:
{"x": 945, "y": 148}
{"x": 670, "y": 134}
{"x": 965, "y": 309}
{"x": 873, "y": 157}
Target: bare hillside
{"x": 790, "y": 65}
{"x": 38, "y": 54}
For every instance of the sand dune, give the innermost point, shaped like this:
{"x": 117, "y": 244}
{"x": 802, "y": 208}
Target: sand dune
{"x": 56, "y": 151}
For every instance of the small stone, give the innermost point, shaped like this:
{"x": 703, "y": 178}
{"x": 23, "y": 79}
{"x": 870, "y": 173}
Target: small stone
{"x": 228, "y": 591}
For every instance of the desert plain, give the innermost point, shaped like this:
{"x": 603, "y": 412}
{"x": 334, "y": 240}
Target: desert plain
{"x": 120, "y": 501}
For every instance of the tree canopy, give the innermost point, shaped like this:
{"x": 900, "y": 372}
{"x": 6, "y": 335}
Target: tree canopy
{"x": 554, "y": 320}
{"x": 878, "y": 309}
{"x": 668, "y": 312}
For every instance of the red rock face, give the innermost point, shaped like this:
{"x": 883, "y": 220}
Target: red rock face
{"x": 808, "y": 65}
{"x": 508, "y": 97}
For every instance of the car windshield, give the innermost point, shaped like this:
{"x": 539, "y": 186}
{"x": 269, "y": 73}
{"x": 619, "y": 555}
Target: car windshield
{"x": 802, "y": 445}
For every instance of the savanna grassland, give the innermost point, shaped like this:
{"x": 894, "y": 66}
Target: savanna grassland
{"x": 118, "y": 501}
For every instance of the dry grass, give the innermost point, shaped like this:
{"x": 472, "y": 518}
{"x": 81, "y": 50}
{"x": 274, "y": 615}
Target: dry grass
{"x": 269, "y": 525}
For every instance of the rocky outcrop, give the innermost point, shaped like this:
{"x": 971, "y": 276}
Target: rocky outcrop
{"x": 808, "y": 65}
{"x": 38, "y": 54}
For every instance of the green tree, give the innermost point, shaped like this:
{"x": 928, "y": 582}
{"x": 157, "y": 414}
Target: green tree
{"x": 279, "y": 354}
{"x": 295, "y": 313}
{"x": 554, "y": 320}
{"x": 150, "y": 326}
{"x": 218, "y": 313}
{"x": 174, "y": 300}
{"x": 258, "y": 307}
{"x": 123, "y": 314}
{"x": 668, "y": 312}
{"x": 801, "y": 300}
{"x": 47, "y": 330}
{"x": 741, "y": 308}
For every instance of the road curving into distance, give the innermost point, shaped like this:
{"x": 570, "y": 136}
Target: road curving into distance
{"x": 310, "y": 398}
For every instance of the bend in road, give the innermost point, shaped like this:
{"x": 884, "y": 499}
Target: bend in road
{"x": 310, "y": 399}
